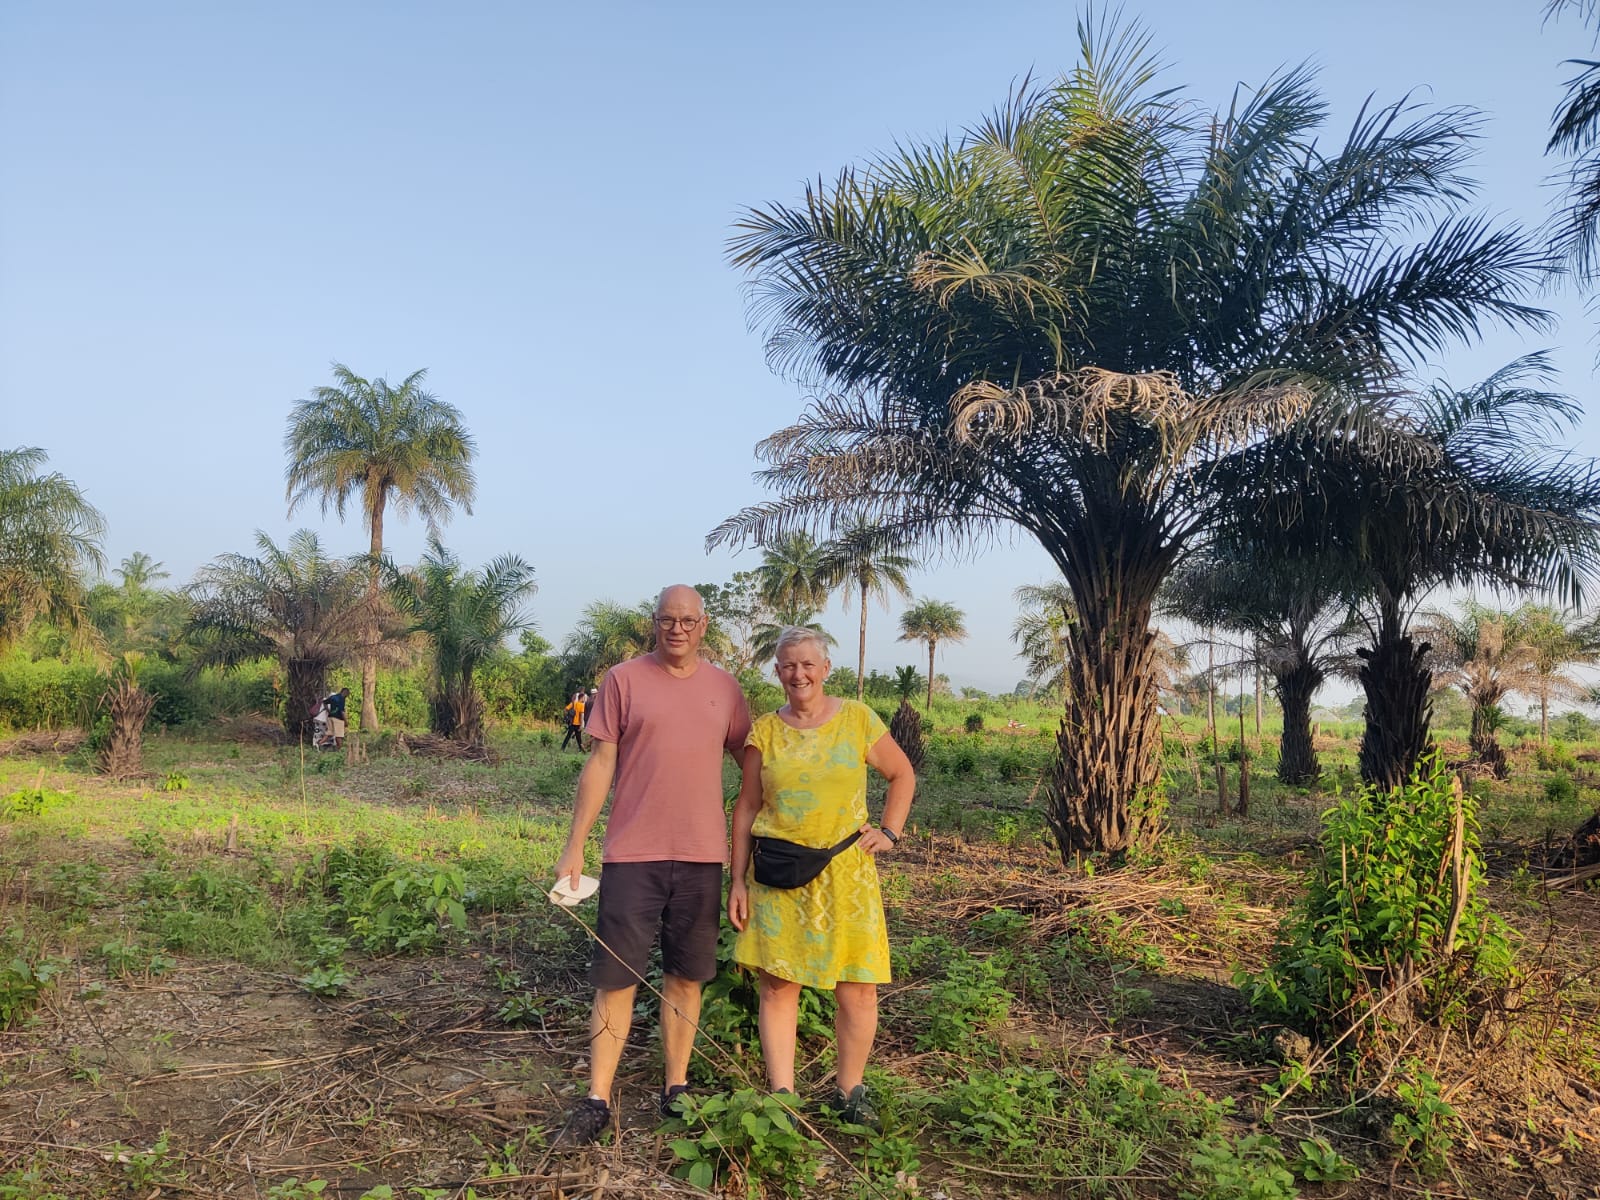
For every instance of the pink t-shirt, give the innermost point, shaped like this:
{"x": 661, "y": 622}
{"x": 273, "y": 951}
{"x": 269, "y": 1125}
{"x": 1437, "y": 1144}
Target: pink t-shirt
{"x": 671, "y": 734}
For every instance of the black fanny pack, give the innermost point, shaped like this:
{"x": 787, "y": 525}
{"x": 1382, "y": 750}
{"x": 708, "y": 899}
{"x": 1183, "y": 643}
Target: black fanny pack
{"x": 781, "y": 864}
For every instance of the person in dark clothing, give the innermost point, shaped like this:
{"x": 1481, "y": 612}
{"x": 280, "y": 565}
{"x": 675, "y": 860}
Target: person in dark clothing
{"x": 335, "y": 702}
{"x": 574, "y": 711}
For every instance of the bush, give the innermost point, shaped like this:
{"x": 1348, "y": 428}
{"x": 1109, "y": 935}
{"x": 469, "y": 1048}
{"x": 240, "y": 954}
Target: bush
{"x": 974, "y": 722}
{"x": 1396, "y": 885}
{"x": 1557, "y": 756}
{"x": 1560, "y": 789}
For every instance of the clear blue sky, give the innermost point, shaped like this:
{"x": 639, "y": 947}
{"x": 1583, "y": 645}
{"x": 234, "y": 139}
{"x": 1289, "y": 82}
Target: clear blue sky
{"x": 203, "y": 205}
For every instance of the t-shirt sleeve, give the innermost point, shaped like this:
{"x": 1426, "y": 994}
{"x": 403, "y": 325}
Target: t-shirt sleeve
{"x": 757, "y": 737}
{"x": 739, "y": 730}
{"x": 605, "y": 717}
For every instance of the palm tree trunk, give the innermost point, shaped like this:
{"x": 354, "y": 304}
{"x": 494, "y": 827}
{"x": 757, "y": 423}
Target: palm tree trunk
{"x": 1211, "y": 723}
{"x": 1105, "y": 788}
{"x": 1485, "y": 746}
{"x": 1544, "y": 711}
{"x": 932, "y": 645}
{"x": 308, "y": 679}
{"x": 1397, "y": 683}
{"x": 1297, "y": 757}
{"x": 369, "y": 655}
{"x": 861, "y": 658}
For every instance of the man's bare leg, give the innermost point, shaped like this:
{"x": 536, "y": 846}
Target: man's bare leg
{"x": 680, "y": 1014}
{"x": 609, "y": 1022}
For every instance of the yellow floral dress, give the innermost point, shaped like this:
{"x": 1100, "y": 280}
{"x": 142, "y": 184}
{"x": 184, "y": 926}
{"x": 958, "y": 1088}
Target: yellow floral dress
{"x": 814, "y": 792}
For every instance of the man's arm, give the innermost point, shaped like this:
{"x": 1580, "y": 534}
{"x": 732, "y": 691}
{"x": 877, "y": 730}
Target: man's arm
{"x": 594, "y": 784}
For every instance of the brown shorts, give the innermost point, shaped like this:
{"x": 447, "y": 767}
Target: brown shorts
{"x": 680, "y": 900}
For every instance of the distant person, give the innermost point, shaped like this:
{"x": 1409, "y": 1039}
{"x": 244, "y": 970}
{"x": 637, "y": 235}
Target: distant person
{"x": 574, "y": 711}
{"x": 334, "y": 702}
{"x": 660, "y": 728}
{"x": 805, "y": 783}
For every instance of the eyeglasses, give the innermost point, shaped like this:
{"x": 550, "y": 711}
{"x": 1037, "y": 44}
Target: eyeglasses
{"x": 678, "y": 622}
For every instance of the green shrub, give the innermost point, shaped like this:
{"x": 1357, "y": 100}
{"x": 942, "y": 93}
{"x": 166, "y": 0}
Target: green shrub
{"x": 22, "y": 982}
{"x": 974, "y": 723}
{"x": 967, "y": 1003}
{"x": 1560, "y": 789}
{"x": 1557, "y": 756}
{"x": 1376, "y": 916}
{"x": 31, "y": 802}
{"x": 748, "y": 1133}
{"x": 411, "y": 908}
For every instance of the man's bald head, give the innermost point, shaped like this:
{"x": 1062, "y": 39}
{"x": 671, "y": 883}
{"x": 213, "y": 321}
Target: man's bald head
{"x": 676, "y": 595}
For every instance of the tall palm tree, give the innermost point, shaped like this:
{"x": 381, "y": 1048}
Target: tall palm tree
{"x": 795, "y": 573}
{"x": 1471, "y": 487}
{"x": 399, "y": 446}
{"x": 293, "y": 603}
{"x": 1299, "y": 618}
{"x": 1040, "y": 632}
{"x": 932, "y": 621}
{"x": 1069, "y": 319}
{"x": 1556, "y": 639}
{"x": 467, "y": 615}
{"x": 49, "y": 537}
{"x": 862, "y": 560}
{"x": 1482, "y": 653}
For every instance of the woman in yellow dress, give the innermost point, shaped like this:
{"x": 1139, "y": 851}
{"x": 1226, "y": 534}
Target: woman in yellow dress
{"x": 805, "y": 781}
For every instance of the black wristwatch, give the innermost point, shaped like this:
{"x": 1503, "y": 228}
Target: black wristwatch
{"x": 889, "y": 833}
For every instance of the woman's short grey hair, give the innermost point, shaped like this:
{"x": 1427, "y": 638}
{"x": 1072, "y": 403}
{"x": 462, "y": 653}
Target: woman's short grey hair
{"x": 793, "y": 635}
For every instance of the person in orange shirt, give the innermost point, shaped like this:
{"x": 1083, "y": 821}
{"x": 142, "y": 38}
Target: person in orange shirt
{"x": 574, "y": 711}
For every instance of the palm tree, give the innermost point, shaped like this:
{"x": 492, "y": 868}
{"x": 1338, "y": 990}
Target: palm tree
{"x": 293, "y": 603}
{"x": 1299, "y": 619}
{"x": 468, "y": 615}
{"x": 1556, "y": 639}
{"x": 932, "y": 621}
{"x": 863, "y": 561}
{"x": 1041, "y": 634}
{"x": 764, "y": 641}
{"x": 1575, "y": 133}
{"x": 138, "y": 571}
{"x": 49, "y": 536}
{"x": 908, "y": 682}
{"x": 399, "y": 446}
{"x": 605, "y": 635}
{"x": 795, "y": 574}
{"x": 1482, "y": 653}
{"x": 1465, "y": 488}
{"x": 1069, "y": 320}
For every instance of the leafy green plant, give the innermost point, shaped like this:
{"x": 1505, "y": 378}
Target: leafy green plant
{"x": 412, "y": 908}
{"x": 1248, "y": 1168}
{"x": 1424, "y": 1127}
{"x": 175, "y": 781}
{"x": 748, "y": 1135}
{"x": 144, "y": 1169}
{"x": 22, "y": 983}
{"x": 1560, "y": 789}
{"x": 1319, "y": 1162}
{"x": 966, "y": 1004}
{"x": 292, "y": 1189}
{"x": 27, "y": 1184}
{"x": 974, "y": 723}
{"x": 1391, "y": 925}
{"x": 327, "y": 981}
{"x": 31, "y": 802}
{"x": 79, "y": 885}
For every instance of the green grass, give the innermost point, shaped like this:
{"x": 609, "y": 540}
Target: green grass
{"x": 994, "y": 1052}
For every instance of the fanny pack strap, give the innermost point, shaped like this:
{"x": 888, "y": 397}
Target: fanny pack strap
{"x": 845, "y": 845}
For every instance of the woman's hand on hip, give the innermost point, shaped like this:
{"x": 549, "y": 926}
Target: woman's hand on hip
{"x": 874, "y": 840}
{"x": 738, "y": 904}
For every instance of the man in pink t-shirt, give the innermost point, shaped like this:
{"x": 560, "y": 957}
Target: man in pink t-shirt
{"x": 657, "y": 734}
